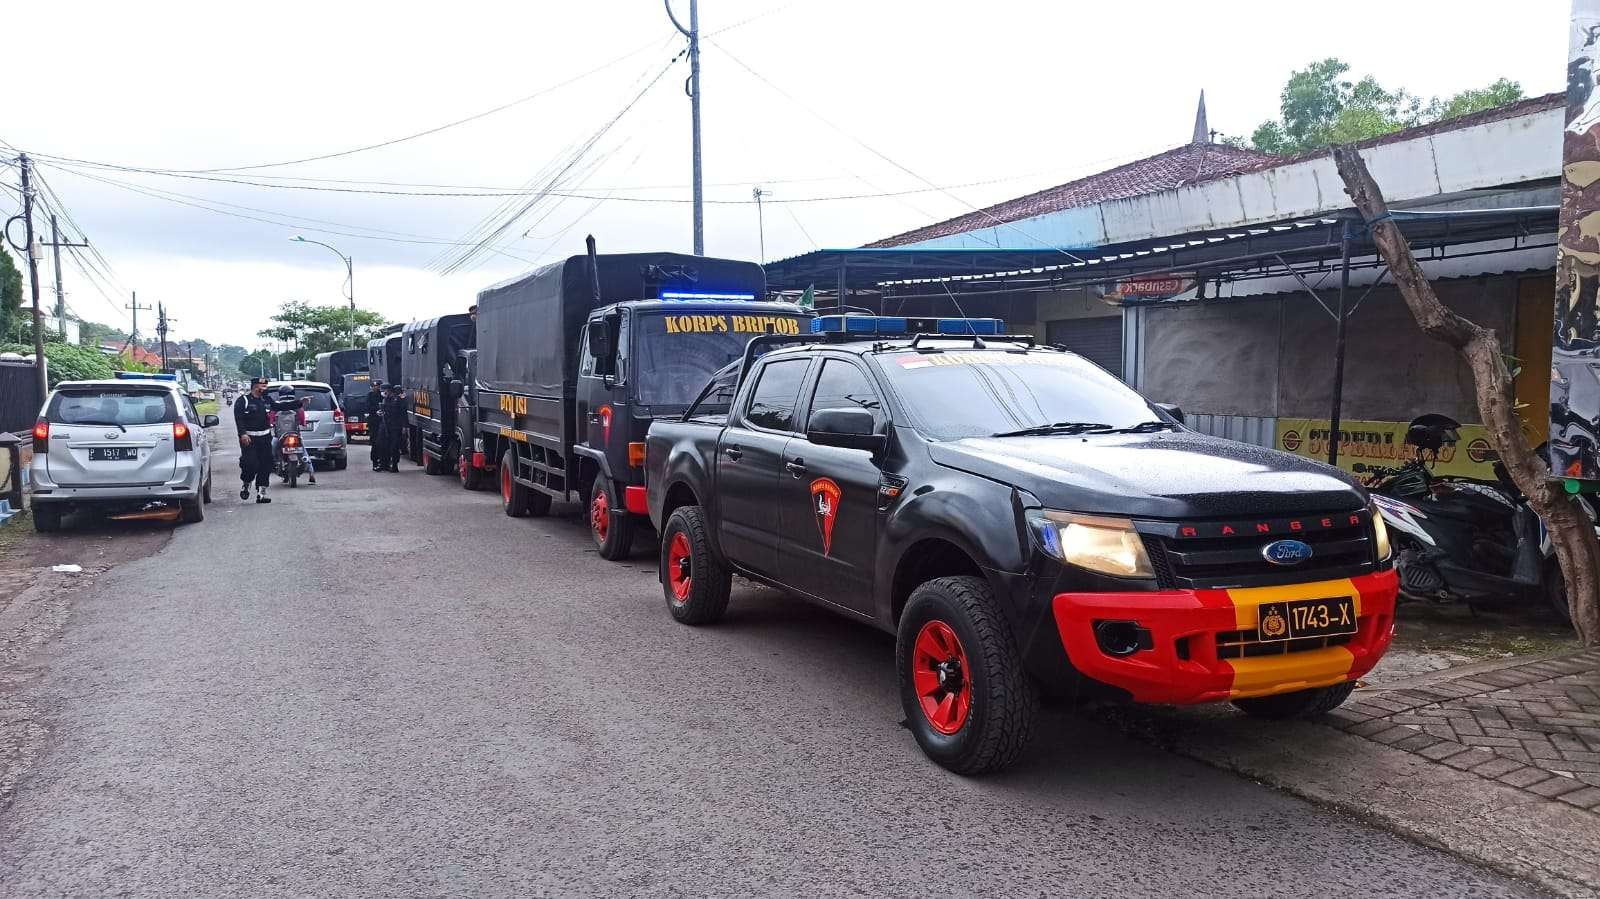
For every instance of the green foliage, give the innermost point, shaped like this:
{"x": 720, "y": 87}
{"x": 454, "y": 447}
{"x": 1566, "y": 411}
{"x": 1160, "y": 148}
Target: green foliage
{"x": 68, "y": 362}
{"x": 320, "y": 329}
{"x": 93, "y": 333}
{"x": 10, "y": 294}
{"x": 260, "y": 363}
{"x": 1318, "y": 107}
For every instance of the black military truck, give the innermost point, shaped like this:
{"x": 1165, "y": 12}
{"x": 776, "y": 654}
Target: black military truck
{"x": 383, "y": 359}
{"x": 1021, "y": 521}
{"x": 430, "y": 358}
{"x": 575, "y": 359}
{"x": 331, "y": 369}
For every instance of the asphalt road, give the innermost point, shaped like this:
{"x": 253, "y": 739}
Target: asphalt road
{"x": 383, "y": 686}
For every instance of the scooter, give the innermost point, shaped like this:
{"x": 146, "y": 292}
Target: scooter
{"x": 1464, "y": 540}
{"x": 291, "y": 464}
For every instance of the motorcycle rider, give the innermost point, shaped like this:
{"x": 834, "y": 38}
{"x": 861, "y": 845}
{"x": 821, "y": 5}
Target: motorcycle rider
{"x": 255, "y": 446}
{"x": 288, "y": 416}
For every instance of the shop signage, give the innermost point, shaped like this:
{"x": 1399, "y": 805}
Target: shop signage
{"x": 1365, "y": 444}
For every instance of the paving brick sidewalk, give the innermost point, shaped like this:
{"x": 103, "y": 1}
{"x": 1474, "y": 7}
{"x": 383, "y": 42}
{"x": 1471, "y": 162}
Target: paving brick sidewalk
{"x": 1533, "y": 726}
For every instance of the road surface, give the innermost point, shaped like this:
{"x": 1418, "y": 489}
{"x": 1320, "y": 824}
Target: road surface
{"x": 383, "y": 686}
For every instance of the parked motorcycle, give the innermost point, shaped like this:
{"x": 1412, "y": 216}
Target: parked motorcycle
{"x": 1461, "y": 539}
{"x": 291, "y": 464}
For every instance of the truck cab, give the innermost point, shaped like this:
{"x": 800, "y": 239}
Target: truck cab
{"x": 1023, "y": 522}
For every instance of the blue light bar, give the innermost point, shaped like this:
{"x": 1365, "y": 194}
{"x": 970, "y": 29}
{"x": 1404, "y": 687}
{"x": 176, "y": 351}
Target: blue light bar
{"x": 144, "y": 376}
{"x": 890, "y": 325}
{"x": 697, "y": 295}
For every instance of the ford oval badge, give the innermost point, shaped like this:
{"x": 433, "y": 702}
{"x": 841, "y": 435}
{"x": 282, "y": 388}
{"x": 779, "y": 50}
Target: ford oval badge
{"x": 1286, "y": 552}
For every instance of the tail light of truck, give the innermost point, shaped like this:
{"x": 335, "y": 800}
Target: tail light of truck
{"x": 181, "y": 438}
{"x": 636, "y": 455}
{"x": 41, "y": 436}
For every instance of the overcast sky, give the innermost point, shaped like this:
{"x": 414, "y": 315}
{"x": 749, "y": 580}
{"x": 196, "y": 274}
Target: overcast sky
{"x": 848, "y": 97}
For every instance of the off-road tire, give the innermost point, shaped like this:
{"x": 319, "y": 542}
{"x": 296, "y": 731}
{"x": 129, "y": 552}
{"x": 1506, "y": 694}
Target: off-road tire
{"x": 192, "y": 511}
{"x": 46, "y": 518}
{"x": 1300, "y": 704}
{"x": 514, "y": 497}
{"x": 1004, "y": 701}
{"x": 617, "y": 542}
{"x": 471, "y": 478}
{"x": 705, "y": 598}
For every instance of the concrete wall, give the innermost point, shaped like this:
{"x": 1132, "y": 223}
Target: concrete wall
{"x": 1273, "y": 357}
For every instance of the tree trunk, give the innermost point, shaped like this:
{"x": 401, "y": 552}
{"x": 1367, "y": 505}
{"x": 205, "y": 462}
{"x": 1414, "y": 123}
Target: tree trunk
{"x": 1577, "y": 548}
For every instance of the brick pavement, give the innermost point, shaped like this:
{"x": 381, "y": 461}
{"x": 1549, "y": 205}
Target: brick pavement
{"x": 1534, "y": 726}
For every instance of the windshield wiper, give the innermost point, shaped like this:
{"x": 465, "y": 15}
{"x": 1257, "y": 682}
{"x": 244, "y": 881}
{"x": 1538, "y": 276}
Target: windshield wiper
{"x": 1145, "y": 427}
{"x": 1060, "y": 427}
{"x": 105, "y": 424}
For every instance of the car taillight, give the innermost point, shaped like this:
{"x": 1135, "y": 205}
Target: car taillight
{"x": 41, "y": 436}
{"x": 338, "y": 415}
{"x": 180, "y": 436}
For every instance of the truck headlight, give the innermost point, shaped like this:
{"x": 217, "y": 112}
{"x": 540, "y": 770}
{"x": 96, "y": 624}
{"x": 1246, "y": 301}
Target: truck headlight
{"x": 1380, "y": 531}
{"x": 1105, "y": 545}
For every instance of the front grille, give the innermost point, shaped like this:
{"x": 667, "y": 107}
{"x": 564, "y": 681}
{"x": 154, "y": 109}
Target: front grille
{"x": 1248, "y": 644}
{"x": 1229, "y": 553}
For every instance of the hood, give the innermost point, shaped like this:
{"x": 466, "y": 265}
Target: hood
{"x": 1172, "y": 475}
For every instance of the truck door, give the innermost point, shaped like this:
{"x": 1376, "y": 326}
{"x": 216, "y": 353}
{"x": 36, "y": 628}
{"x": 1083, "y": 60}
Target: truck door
{"x": 750, "y": 463}
{"x": 828, "y": 501}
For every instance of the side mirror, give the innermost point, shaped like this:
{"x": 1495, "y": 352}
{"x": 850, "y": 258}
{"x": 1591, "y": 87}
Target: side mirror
{"x": 210, "y": 421}
{"x": 599, "y": 339}
{"x": 1173, "y": 412}
{"x": 849, "y": 428}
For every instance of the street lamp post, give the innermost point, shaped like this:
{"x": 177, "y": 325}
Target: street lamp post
{"x": 349, "y": 277}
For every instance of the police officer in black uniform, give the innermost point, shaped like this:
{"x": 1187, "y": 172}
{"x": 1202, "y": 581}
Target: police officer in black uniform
{"x": 255, "y": 440}
{"x": 394, "y": 423}
{"x": 374, "y": 423}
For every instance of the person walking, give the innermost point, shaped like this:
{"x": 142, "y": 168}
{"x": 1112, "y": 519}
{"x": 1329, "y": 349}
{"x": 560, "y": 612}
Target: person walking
{"x": 394, "y": 422}
{"x": 255, "y": 440}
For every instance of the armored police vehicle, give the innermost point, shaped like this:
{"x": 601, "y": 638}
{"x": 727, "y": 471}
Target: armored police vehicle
{"x": 430, "y": 358}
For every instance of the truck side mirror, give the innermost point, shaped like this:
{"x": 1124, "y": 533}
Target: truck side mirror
{"x": 600, "y": 348}
{"x": 849, "y": 428}
{"x": 1173, "y": 412}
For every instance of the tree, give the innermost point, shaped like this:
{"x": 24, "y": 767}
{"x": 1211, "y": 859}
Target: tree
{"x": 10, "y": 294}
{"x": 67, "y": 362}
{"x": 310, "y": 330}
{"x": 1577, "y": 549}
{"x": 1318, "y": 107}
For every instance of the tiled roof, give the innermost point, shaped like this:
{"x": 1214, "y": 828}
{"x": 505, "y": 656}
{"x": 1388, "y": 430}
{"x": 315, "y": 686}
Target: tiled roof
{"x": 1175, "y": 168}
{"x": 1163, "y": 171}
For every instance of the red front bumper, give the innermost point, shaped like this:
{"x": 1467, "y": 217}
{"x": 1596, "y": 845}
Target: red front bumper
{"x": 1188, "y": 622}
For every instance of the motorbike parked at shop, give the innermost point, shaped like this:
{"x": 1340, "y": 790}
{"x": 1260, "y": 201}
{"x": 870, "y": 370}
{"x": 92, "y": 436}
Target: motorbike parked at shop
{"x": 1465, "y": 540}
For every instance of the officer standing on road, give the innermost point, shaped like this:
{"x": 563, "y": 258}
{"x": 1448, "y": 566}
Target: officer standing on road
{"x": 255, "y": 440}
{"x": 394, "y": 421}
{"x": 375, "y": 423}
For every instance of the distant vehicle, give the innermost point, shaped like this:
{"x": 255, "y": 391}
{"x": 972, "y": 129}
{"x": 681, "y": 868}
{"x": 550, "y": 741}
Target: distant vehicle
{"x": 324, "y": 431}
{"x": 1022, "y": 521}
{"x": 132, "y": 447}
{"x": 331, "y": 368}
{"x": 383, "y": 359}
{"x": 356, "y": 413}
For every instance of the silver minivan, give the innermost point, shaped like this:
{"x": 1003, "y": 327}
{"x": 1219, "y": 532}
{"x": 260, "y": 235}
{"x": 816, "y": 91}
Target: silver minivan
{"x": 133, "y": 447}
{"x": 323, "y": 434}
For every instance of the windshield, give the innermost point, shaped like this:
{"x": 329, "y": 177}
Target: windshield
{"x": 111, "y": 406}
{"x": 321, "y": 398}
{"x": 676, "y": 354}
{"x": 981, "y": 393}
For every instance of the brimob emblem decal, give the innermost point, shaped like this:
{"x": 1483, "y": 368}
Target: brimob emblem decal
{"x": 825, "y": 505}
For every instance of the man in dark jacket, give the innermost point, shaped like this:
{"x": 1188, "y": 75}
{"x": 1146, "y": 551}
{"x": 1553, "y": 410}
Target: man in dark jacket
{"x": 255, "y": 440}
{"x": 375, "y": 424}
{"x": 394, "y": 422}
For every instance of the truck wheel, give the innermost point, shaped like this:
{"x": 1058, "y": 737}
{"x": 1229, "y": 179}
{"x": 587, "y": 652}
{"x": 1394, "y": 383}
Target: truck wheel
{"x": 471, "y": 478}
{"x": 693, "y": 580}
{"x": 967, "y": 699}
{"x": 192, "y": 511}
{"x": 611, "y": 527}
{"x": 513, "y": 496}
{"x": 46, "y": 518}
{"x": 1300, "y": 704}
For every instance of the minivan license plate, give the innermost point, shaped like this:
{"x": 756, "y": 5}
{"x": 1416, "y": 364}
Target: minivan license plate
{"x": 1305, "y": 618}
{"x": 113, "y": 453}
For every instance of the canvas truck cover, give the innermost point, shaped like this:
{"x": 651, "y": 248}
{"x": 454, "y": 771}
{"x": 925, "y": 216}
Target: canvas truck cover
{"x": 332, "y": 367}
{"x": 530, "y": 327}
{"x": 383, "y": 359}
{"x": 427, "y": 346}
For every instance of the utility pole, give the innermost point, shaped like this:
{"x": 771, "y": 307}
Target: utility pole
{"x": 161, "y": 331}
{"x": 32, "y": 249}
{"x": 693, "y": 90}
{"x": 133, "y": 336}
{"x": 761, "y": 222}
{"x": 55, "y": 245}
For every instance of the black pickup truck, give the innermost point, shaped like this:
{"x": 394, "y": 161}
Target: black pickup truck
{"x": 1022, "y": 521}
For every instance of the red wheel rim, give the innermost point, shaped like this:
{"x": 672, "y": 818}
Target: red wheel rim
{"x": 505, "y": 485}
{"x": 939, "y": 674}
{"x": 679, "y": 569}
{"x": 600, "y": 516}
{"x": 461, "y": 467}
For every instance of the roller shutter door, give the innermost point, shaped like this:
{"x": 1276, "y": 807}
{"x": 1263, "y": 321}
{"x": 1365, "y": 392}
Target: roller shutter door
{"x": 1096, "y": 339}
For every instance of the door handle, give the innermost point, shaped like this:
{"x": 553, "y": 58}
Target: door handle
{"x": 734, "y": 453}
{"x": 796, "y": 467}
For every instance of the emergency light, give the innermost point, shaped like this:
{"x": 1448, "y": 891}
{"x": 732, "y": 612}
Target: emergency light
{"x": 901, "y": 325}
{"x": 144, "y": 376}
{"x": 694, "y": 295}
